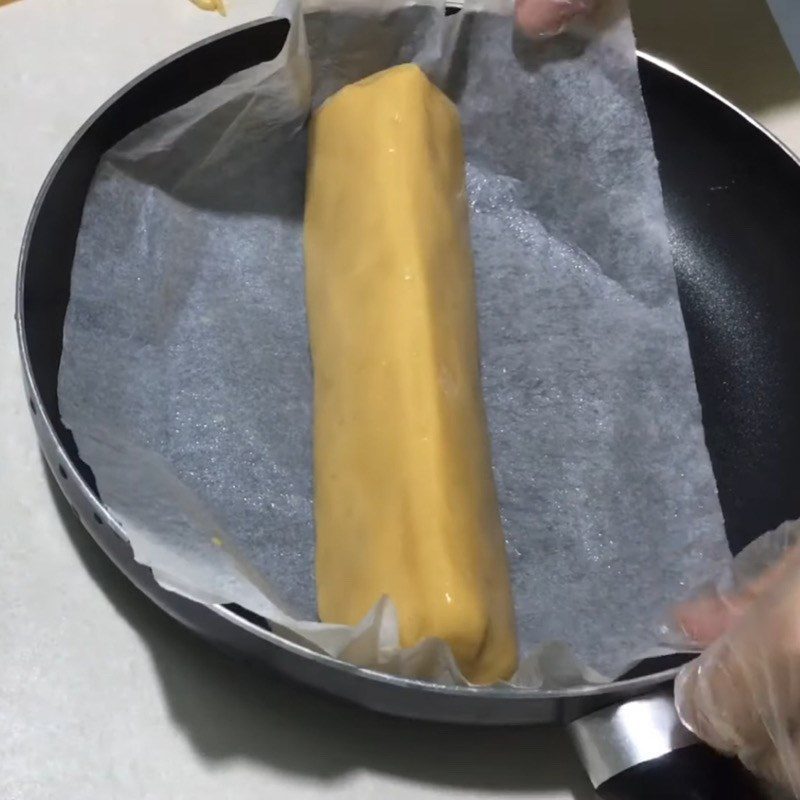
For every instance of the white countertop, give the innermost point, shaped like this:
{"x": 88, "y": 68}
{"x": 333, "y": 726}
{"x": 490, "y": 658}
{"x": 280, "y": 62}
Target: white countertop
{"x": 101, "y": 696}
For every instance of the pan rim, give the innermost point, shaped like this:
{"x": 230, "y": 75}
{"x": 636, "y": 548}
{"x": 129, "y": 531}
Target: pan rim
{"x": 46, "y": 429}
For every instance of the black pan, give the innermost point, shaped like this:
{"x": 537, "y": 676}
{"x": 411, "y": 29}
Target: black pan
{"x": 732, "y": 195}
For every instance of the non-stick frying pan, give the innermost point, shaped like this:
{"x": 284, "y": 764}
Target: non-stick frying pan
{"x": 732, "y": 195}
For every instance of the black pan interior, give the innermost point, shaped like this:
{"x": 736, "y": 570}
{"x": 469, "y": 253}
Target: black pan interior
{"x": 731, "y": 195}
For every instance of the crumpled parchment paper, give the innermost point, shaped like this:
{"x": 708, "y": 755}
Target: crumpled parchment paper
{"x": 185, "y": 374}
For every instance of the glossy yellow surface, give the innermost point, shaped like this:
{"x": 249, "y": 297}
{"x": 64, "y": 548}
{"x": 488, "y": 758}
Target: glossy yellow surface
{"x": 211, "y": 5}
{"x": 405, "y": 502}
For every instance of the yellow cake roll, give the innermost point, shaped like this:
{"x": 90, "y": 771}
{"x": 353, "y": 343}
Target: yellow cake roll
{"x": 405, "y": 502}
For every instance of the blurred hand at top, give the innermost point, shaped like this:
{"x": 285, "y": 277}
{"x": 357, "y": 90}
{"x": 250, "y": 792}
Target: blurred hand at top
{"x": 549, "y": 17}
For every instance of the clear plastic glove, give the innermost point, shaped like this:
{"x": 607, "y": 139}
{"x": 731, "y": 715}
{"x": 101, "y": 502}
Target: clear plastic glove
{"x": 549, "y": 17}
{"x": 742, "y": 695}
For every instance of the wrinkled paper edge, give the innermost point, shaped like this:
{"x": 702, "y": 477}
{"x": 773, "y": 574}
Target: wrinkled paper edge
{"x": 375, "y": 642}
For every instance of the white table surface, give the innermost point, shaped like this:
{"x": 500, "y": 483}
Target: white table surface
{"x": 101, "y": 696}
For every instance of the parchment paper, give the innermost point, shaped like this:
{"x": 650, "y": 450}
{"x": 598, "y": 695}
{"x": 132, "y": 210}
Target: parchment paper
{"x": 185, "y": 375}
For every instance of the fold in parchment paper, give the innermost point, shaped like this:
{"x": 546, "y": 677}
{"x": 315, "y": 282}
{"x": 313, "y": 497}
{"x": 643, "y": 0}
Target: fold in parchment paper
{"x": 185, "y": 375}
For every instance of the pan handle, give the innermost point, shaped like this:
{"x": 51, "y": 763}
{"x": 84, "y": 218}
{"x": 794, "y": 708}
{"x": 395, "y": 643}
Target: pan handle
{"x": 639, "y": 750}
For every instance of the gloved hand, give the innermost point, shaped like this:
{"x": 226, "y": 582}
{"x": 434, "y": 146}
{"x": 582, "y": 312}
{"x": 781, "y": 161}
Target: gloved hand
{"x": 742, "y": 695}
{"x": 548, "y": 17}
